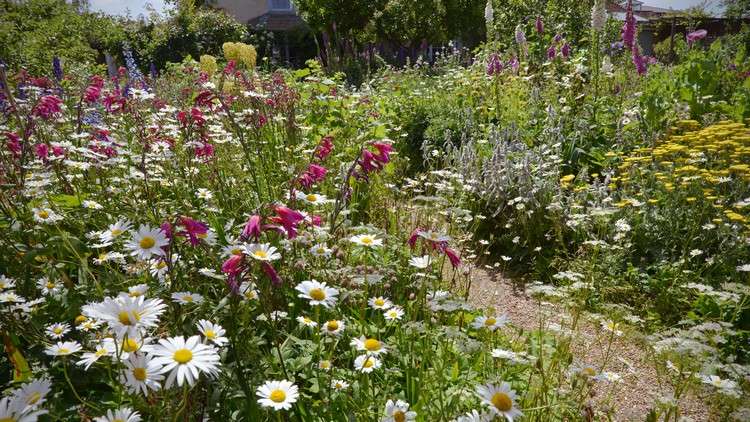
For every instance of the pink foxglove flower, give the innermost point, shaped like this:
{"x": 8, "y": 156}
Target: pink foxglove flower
{"x": 252, "y": 228}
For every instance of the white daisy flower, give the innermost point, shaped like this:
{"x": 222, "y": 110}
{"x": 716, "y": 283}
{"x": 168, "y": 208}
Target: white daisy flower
{"x": 204, "y": 194}
{"x": 398, "y": 411}
{"x": 63, "y": 348}
{"x": 612, "y": 327}
{"x": 370, "y": 345}
{"x": 325, "y": 365}
{"x": 393, "y": 314}
{"x": 6, "y": 283}
{"x": 102, "y": 349}
{"x": 500, "y": 399}
{"x": 14, "y": 410}
{"x": 114, "y": 231}
{"x": 420, "y": 262}
{"x": 366, "y": 363}
{"x": 475, "y": 416}
{"x": 185, "y": 359}
{"x": 261, "y": 251}
{"x": 312, "y": 198}
{"x": 58, "y": 330}
{"x": 232, "y": 250}
{"x": 127, "y": 315}
{"x": 339, "y": 385}
{"x": 33, "y": 394}
{"x": 147, "y": 242}
{"x": 248, "y": 291}
{"x": 141, "y": 374}
{"x": 433, "y": 236}
{"x": 124, "y": 414}
{"x": 137, "y": 290}
{"x": 158, "y": 269}
{"x": 306, "y": 321}
{"x": 278, "y": 395}
{"x": 317, "y": 293}
{"x": 49, "y": 287}
{"x": 11, "y": 297}
{"x": 333, "y": 327}
{"x": 46, "y": 216}
{"x": 380, "y": 303}
{"x": 187, "y": 298}
{"x": 366, "y": 240}
{"x": 320, "y": 251}
{"x": 88, "y": 324}
{"x": 92, "y": 205}
{"x": 491, "y": 323}
{"x": 213, "y": 332}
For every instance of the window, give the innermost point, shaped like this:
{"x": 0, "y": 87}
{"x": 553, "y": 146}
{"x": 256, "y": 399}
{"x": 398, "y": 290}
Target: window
{"x": 281, "y": 5}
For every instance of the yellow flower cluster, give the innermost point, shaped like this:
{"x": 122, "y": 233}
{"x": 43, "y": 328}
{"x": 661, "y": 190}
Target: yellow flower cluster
{"x": 695, "y": 163}
{"x": 208, "y": 64}
{"x": 241, "y": 53}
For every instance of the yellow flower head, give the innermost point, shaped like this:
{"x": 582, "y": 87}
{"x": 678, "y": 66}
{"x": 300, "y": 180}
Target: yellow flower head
{"x": 208, "y": 64}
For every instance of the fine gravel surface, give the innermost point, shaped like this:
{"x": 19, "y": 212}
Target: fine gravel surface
{"x": 639, "y": 390}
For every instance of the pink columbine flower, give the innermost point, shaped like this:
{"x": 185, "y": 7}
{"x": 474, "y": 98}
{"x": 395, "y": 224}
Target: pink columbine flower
{"x": 324, "y": 148}
{"x": 41, "y": 151}
{"x": 271, "y": 273}
{"x": 453, "y": 257}
{"x": 13, "y": 143}
{"x": 696, "y": 36}
{"x": 252, "y": 228}
{"x": 289, "y": 219}
{"x": 48, "y": 106}
{"x": 194, "y": 230}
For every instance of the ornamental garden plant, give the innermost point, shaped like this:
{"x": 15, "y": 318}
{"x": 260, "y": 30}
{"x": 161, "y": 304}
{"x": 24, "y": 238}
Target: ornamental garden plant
{"x": 213, "y": 241}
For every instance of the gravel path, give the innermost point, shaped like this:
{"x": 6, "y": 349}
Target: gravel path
{"x": 639, "y": 389}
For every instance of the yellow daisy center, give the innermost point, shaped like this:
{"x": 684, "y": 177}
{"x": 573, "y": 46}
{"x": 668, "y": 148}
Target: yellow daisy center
{"x": 147, "y": 242}
{"x": 369, "y": 363}
{"x": 589, "y": 371}
{"x": 139, "y": 374}
{"x": 210, "y": 334}
{"x": 399, "y": 416}
{"x": 118, "y": 420}
{"x": 161, "y": 264}
{"x": 100, "y": 352}
{"x": 124, "y": 317}
{"x": 277, "y": 396}
{"x": 367, "y": 240}
{"x": 63, "y": 351}
{"x": 115, "y": 232}
{"x": 50, "y": 285}
{"x": 183, "y": 356}
{"x": 312, "y": 197}
{"x": 129, "y": 345}
{"x": 34, "y": 398}
{"x": 80, "y": 319}
{"x": 236, "y": 251}
{"x": 306, "y": 320}
{"x": 260, "y": 253}
{"x": 317, "y": 294}
{"x": 57, "y": 330}
{"x": 43, "y": 215}
{"x": 502, "y": 401}
{"x": 372, "y": 345}
{"x": 8, "y": 419}
{"x": 490, "y": 321}
{"x": 379, "y": 302}
{"x": 333, "y": 325}
{"x": 187, "y": 298}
